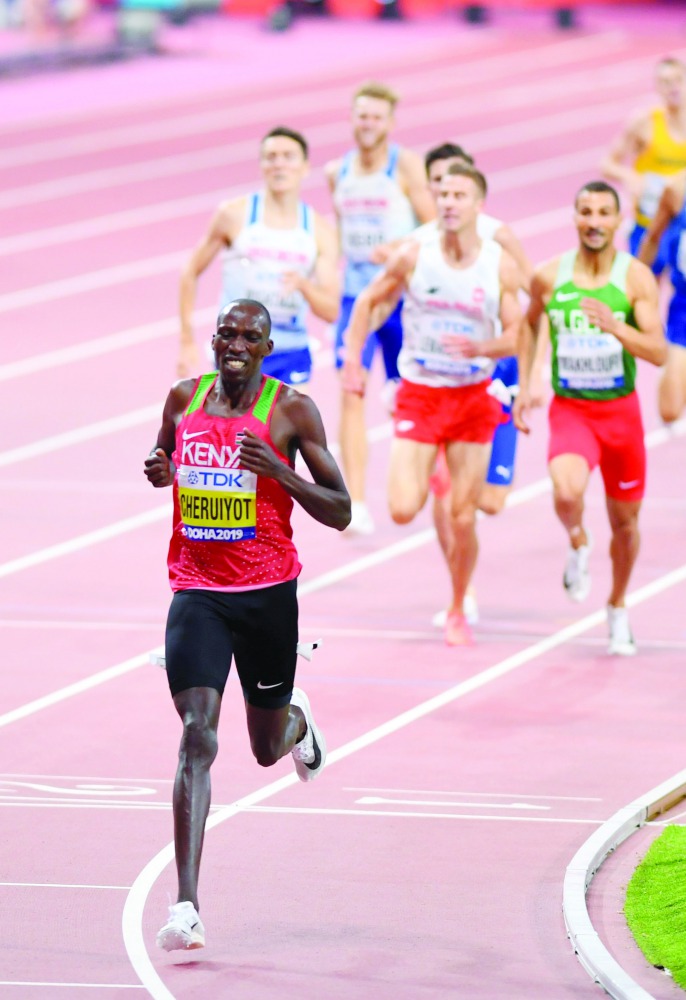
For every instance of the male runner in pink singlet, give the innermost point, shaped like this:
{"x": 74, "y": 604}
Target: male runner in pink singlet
{"x": 227, "y": 444}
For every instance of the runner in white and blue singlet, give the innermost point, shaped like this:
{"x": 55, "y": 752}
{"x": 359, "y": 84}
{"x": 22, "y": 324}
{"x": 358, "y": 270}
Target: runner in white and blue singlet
{"x": 276, "y": 250}
{"x": 379, "y": 193}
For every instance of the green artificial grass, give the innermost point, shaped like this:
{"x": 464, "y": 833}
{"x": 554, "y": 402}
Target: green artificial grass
{"x": 655, "y": 906}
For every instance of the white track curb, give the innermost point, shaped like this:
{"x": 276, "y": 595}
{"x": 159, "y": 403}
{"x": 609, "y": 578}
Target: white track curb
{"x": 590, "y": 950}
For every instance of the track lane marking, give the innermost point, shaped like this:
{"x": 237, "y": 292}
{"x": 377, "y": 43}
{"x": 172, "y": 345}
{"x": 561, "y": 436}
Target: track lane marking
{"x": 486, "y": 69}
{"x": 132, "y": 915}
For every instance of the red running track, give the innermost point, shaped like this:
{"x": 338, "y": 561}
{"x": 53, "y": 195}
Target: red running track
{"x": 429, "y": 858}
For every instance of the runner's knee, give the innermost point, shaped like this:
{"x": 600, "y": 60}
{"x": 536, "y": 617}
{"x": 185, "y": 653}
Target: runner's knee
{"x": 199, "y": 742}
{"x": 266, "y": 748}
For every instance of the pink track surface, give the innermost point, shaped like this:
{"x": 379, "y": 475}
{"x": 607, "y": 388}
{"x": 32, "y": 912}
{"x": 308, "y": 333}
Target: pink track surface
{"x": 428, "y": 860}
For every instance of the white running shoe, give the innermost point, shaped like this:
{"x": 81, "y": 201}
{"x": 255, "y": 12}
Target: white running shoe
{"x": 470, "y": 609}
{"x": 361, "y": 521}
{"x": 310, "y": 753}
{"x": 183, "y": 929}
{"x": 621, "y": 640}
{"x": 577, "y": 577}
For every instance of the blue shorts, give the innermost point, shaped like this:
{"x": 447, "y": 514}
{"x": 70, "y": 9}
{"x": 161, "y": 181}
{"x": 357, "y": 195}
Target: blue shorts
{"x": 676, "y": 321}
{"x": 504, "y": 448}
{"x": 508, "y": 372}
{"x": 389, "y": 337}
{"x": 635, "y": 239}
{"x": 503, "y": 451}
{"x": 292, "y": 367}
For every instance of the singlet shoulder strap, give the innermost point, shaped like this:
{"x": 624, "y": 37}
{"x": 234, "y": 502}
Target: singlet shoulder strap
{"x": 306, "y": 219}
{"x": 202, "y": 387}
{"x": 254, "y": 212}
{"x": 620, "y": 267}
{"x": 659, "y": 122}
{"x": 346, "y": 164}
{"x": 393, "y": 155}
{"x": 565, "y": 268}
{"x": 264, "y": 404}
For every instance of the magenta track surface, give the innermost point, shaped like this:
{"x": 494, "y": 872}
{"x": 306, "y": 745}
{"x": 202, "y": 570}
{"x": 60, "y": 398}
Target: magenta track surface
{"x": 428, "y": 860}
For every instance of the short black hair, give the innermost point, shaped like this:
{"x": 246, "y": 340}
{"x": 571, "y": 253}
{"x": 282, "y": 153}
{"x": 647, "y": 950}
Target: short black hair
{"x": 288, "y": 133}
{"x": 467, "y": 170}
{"x": 253, "y": 306}
{"x": 598, "y": 187}
{"x": 448, "y": 151}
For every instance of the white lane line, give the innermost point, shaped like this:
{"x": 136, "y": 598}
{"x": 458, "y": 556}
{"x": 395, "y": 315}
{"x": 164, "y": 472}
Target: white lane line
{"x": 71, "y": 986}
{"x": 71, "y": 690}
{"x": 96, "y": 626}
{"x": 105, "y": 534}
{"x": 229, "y": 154}
{"x": 486, "y": 795}
{"x": 380, "y": 800}
{"x": 396, "y": 813}
{"x": 55, "y": 803}
{"x": 417, "y": 81}
{"x": 86, "y": 777}
{"x": 137, "y": 270}
{"x": 407, "y": 544}
{"x": 132, "y": 916}
{"x": 539, "y": 170}
{"x": 60, "y": 885}
{"x": 49, "y": 445}
{"x": 48, "y": 360}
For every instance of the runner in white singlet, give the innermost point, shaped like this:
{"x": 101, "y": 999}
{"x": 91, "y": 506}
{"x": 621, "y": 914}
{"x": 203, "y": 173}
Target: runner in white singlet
{"x": 276, "y": 250}
{"x": 461, "y": 313}
{"x": 379, "y": 193}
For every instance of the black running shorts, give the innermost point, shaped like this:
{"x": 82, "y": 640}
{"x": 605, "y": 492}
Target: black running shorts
{"x": 206, "y": 628}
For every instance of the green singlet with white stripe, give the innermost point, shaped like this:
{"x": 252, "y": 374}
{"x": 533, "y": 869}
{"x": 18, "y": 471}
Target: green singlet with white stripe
{"x": 586, "y": 362}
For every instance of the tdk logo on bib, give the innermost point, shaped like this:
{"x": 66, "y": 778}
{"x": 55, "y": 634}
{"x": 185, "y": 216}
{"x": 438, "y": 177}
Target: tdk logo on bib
{"x": 213, "y": 479}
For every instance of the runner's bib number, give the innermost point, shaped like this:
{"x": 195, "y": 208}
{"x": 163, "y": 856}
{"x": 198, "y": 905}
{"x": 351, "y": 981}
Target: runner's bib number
{"x": 433, "y": 350}
{"x": 589, "y": 361}
{"x": 360, "y": 234}
{"x": 265, "y": 286}
{"x": 217, "y": 505}
{"x": 654, "y": 185}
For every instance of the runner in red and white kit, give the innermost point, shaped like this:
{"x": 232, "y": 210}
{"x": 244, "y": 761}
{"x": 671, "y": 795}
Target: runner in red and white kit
{"x": 227, "y": 444}
{"x": 461, "y": 313}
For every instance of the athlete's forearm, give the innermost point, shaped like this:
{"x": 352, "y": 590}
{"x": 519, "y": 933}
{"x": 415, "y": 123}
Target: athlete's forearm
{"x": 527, "y": 343}
{"x": 614, "y": 170}
{"x": 322, "y": 301}
{"x": 650, "y": 347}
{"x": 328, "y": 505}
{"x": 358, "y": 327}
{"x": 187, "y": 291}
{"x": 648, "y": 249}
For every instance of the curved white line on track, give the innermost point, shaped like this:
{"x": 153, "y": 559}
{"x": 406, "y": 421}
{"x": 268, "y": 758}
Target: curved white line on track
{"x": 594, "y": 957}
{"x": 132, "y": 915}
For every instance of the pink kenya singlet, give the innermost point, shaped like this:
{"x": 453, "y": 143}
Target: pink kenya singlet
{"x": 231, "y": 528}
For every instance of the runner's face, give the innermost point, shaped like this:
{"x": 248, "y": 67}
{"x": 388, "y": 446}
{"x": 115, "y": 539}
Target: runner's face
{"x": 596, "y": 218}
{"x": 437, "y": 171}
{"x": 283, "y": 164}
{"x": 372, "y": 121}
{"x": 458, "y": 203}
{"x": 240, "y": 343}
{"x": 671, "y": 85}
